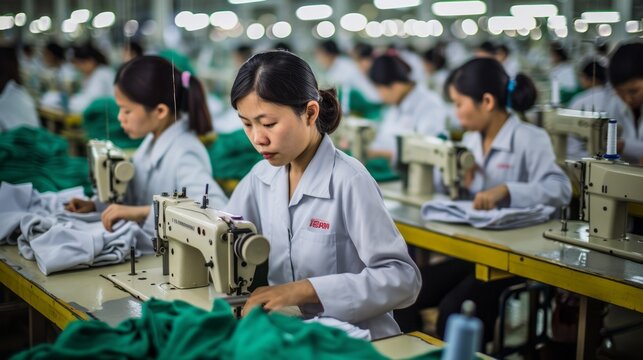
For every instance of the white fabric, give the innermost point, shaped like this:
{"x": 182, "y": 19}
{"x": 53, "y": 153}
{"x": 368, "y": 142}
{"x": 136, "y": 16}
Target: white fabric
{"x": 335, "y": 231}
{"x": 522, "y": 157}
{"x": 17, "y": 108}
{"x": 58, "y": 240}
{"x": 350, "y": 329}
{"x": 100, "y": 83}
{"x": 422, "y": 111}
{"x": 462, "y": 212}
{"x": 344, "y": 72}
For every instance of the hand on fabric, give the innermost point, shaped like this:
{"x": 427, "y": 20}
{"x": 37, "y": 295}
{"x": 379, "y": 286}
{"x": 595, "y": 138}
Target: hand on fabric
{"x": 116, "y": 212}
{"x": 80, "y": 206}
{"x": 489, "y": 199}
{"x": 279, "y": 296}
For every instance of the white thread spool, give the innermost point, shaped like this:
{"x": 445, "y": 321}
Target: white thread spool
{"x": 555, "y": 93}
{"x": 610, "y": 152}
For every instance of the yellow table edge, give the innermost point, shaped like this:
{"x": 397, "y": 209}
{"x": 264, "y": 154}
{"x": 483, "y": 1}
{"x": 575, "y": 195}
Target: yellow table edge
{"x": 57, "y": 311}
{"x": 467, "y": 249}
{"x": 591, "y": 285}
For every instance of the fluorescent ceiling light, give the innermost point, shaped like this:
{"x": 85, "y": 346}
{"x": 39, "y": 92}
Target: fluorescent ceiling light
{"x": 458, "y": 8}
{"x": 255, "y": 31}
{"x": 469, "y": 27}
{"x": 20, "y": 19}
{"x": 580, "y": 26}
{"x": 557, "y": 22}
{"x": 535, "y": 10}
{"x": 44, "y": 23}
{"x": 395, "y": 4}
{"x": 226, "y": 20}
{"x": 314, "y": 12}
{"x": 632, "y": 26}
{"x": 593, "y": 17}
{"x": 604, "y": 30}
{"x": 325, "y": 29}
{"x": 80, "y": 16}
{"x": 281, "y": 29}
{"x": 353, "y": 22}
{"x": 183, "y": 18}
{"x": 69, "y": 26}
{"x": 244, "y": 2}
{"x": 104, "y": 19}
{"x": 497, "y": 24}
{"x": 198, "y": 22}
{"x": 6, "y": 22}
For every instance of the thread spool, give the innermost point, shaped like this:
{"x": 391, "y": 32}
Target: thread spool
{"x": 463, "y": 334}
{"x": 610, "y": 152}
{"x": 555, "y": 93}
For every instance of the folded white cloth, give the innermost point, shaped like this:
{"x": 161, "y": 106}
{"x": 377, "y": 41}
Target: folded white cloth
{"x": 507, "y": 218}
{"x": 350, "y": 329}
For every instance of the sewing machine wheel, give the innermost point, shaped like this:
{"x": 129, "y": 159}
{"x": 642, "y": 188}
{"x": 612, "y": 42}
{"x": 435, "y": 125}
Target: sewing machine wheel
{"x": 252, "y": 248}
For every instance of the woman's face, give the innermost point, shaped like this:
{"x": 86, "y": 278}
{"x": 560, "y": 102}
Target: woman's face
{"x": 631, "y": 92}
{"x": 135, "y": 120}
{"x": 276, "y": 131}
{"x": 391, "y": 94}
{"x": 471, "y": 115}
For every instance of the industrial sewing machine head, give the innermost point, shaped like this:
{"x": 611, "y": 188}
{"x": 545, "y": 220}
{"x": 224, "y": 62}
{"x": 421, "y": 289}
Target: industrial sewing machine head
{"x": 110, "y": 170}
{"x": 198, "y": 243}
{"x": 608, "y": 186}
{"x": 355, "y": 134}
{"x": 420, "y": 154}
{"x": 589, "y": 126}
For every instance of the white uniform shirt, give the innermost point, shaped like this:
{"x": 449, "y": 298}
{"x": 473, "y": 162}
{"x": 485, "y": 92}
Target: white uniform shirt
{"x": 418, "y": 75}
{"x": 99, "y": 84}
{"x": 335, "y": 232}
{"x": 422, "y": 111}
{"x": 631, "y": 134}
{"x": 345, "y": 73}
{"x": 522, "y": 157}
{"x": 592, "y": 99}
{"x": 511, "y": 65}
{"x": 17, "y": 108}
{"x": 176, "y": 159}
{"x": 565, "y": 74}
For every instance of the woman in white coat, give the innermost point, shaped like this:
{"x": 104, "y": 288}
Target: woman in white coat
{"x": 98, "y": 78}
{"x": 335, "y": 250}
{"x": 171, "y": 155}
{"x": 515, "y": 167}
{"x": 17, "y": 106}
{"x": 413, "y": 107}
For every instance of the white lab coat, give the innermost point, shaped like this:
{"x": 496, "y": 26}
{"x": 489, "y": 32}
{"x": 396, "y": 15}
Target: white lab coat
{"x": 416, "y": 63}
{"x": 176, "y": 159}
{"x": 335, "y": 232}
{"x": 631, "y": 134}
{"x": 597, "y": 99}
{"x": 17, "y": 108}
{"x": 437, "y": 80}
{"x": 565, "y": 74}
{"x": 422, "y": 111}
{"x": 511, "y": 65}
{"x": 344, "y": 73}
{"x": 99, "y": 84}
{"x": 522, "y": 157}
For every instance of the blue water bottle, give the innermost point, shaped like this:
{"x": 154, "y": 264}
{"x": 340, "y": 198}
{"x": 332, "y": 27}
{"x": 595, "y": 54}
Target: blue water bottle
{"x": 463, "y": 334}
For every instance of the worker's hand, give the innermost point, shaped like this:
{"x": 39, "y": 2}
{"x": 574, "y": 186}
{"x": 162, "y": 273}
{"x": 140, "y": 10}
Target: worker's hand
{"x": 489, "y": 199}
{"x": 116, "y": 212}
{"x": 469, "y": 176}
{"x": 80, "y": 206}
{"x": 279, "y": 296}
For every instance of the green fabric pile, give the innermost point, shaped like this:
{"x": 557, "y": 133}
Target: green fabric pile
{"x": 37, "y": 156}
{"x": 380, "y": 169}
{"x": 178, "y": 330}
{"x": 232, "y": 156}
{"x": 181, "y": 62}
{"x": 100, "y": 121}
{"x": 361, "y": 107}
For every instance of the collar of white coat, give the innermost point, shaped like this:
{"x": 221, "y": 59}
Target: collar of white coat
{"x": 164, "y": 142}
{"x": 502, "y": 141}
{"x": 316, "y": 179}
{"x": 416, "y": 96}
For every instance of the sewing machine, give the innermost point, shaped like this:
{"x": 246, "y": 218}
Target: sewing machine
{"x": 419, "y": 155}
{"x": 110, "y": 170}
{"x": 588, "y": 126}
{"x": 199, "y": 246}
{"x": 607, "y": 188}
{"x": 355, "y": 134}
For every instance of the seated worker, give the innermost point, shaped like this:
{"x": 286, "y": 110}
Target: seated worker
{"x": 413, "y": 107}
{"x": 595, "y": 97}
{"x": 625, "y": 74}
{"x": 58, "y": 74}
{"x": 334, "y": 249}
{"x": 435, "y": 67}
{"x": 16, "y": 105}
{"x": 98, "y": 78}
{"x": 516, "y": 167}
{"x": 171, "y": 156}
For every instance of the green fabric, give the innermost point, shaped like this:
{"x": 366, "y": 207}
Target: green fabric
{"x": 362, "y": 107}
{"x": 101, "y": 116}
{"x": 566, "y": 95}
{"x": 380, "y": 169}
{"x": 232, "y": 156}
{"x": 181, "y": 61}
{"x": 178, "y": 330}
{"x": 37, "y": 156}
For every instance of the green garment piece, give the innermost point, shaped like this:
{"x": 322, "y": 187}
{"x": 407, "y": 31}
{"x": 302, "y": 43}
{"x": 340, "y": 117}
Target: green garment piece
{"x": 100, "y": 121}
{"x": 232, "y": 156}
{"x": 566, "y": 95}
{"x": 181, "y": 62}
{"x": 178, "y": 330}
{"x": 380, "y": 169}
{"x": 37, "y": 156}
{"x": 362, "y": 107}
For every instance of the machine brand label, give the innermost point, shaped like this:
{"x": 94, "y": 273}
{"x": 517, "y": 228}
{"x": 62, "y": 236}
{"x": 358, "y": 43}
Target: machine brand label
{"x": 179, "y": 222}
{"x": 319, "y": 224}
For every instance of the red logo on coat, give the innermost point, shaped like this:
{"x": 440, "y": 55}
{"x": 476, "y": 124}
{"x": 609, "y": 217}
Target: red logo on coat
{"x": 319, "y": 224}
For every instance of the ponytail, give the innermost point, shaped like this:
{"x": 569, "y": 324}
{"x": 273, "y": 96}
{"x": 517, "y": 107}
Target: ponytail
{"x": 523, "y": 97}
{"x": 152, "y": 80}
{"x": 330, "y": 112}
